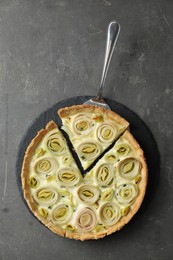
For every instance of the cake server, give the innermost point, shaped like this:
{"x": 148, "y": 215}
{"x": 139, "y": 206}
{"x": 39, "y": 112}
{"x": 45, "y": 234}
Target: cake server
{"x": 112, "y": 36}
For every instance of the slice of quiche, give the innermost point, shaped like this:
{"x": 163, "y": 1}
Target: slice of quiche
{"x": 91, "y": 130}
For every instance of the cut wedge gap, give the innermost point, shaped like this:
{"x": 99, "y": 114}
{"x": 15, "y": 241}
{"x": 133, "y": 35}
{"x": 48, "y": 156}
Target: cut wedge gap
{"x": 73, "y": 152}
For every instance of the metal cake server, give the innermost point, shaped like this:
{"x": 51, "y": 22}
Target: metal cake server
{"x": 112, "y": 36}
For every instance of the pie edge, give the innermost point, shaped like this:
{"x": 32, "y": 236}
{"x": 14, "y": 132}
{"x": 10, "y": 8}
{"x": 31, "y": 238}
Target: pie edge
{"x": 66, "y": 111}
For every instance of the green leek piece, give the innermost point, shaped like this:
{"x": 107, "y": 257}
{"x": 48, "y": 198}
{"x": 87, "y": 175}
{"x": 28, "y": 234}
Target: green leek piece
{"x": 33, "y": 182}
{"x": 109, "y": 213}
{"x": 68, "y": 177}
{"x": 104, "y": 174}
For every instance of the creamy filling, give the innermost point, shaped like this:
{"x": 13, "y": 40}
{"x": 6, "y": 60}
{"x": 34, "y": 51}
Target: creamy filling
{"x": 93, "y": 127}
{"x": 110, "y": 193}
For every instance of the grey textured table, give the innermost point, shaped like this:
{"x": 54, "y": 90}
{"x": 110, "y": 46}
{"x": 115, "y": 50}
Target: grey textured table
{"x": 52, "y": 50}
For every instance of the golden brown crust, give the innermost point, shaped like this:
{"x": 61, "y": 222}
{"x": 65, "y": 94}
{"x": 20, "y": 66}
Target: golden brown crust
{"x": 68, "y": 111}
{"x": 74, "y": 235}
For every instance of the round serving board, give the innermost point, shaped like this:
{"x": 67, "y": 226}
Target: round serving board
{"x": 137, "y": 127}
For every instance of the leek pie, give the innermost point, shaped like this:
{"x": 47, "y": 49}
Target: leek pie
{"x": 106, "y": 197}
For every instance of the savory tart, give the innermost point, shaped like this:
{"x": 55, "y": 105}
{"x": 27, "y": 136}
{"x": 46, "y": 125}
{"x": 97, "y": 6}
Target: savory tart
{"x": 78, "y": 207}
{"x": 91, "y": 130}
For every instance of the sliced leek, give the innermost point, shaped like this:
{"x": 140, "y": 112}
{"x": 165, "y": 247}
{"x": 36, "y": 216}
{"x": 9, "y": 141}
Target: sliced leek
{"x": 88, "y": 151}
{"x": 126, "y": 193}
{"x": 122, "y": 149}
{"x": 46, "y": 196}
{"x": 46, "y": 166}
{"x": 100, "y": 228}
{"x": 86, "y": 220}
{"x": 111, "y": 158}
{"x": 129, "y": 168}
{"x": 88, "y": 193}
{"x": 82, "y": 124}
{"x": 109, "y": 213}
{"x": 106, "y": 133}
{"x": 43, "y": 212}
{"x": 137, "y": 178}
{"x": 107, "y": 195}
{"x": 104, "y": 174}
{"x": 70, "y": 228}
{"x": 66, "y": 194}
{"x": 67, "y": 159}
{"x": 33, "y": 182}
{"x": 68, "y": 177}
{"x": 62, "y": 213}
{"x": 56, "y": 143}
{"x": 39, "y": 152}
{"x": 125, "y": 211}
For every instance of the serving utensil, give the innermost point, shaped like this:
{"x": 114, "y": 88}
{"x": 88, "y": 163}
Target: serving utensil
{"x": 112, "y": 36}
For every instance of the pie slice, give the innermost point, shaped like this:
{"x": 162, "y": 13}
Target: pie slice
{"x": 91, "y": 130}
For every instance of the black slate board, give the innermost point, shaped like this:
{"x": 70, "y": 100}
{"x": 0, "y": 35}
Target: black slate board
{"x": 137, "y": 127}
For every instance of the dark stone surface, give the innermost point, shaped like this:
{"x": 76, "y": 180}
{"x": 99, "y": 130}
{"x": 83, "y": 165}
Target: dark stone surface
{"x": 52, "y": 50}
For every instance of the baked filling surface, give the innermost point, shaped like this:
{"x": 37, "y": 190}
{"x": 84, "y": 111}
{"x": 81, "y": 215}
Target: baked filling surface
{"x": 102, "y": 201}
